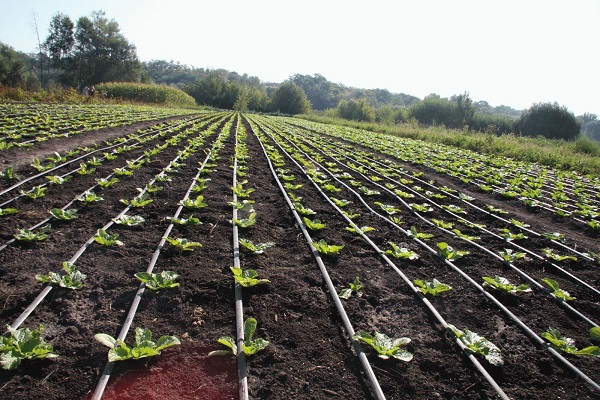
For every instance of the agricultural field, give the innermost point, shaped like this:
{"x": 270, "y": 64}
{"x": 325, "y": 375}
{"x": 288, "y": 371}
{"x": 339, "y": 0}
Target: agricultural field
{"x": 273, "y": 257}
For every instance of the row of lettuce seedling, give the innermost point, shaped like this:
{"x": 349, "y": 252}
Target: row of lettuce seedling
{"x": 23, "y": 343}
{"x": 450, "y": 254}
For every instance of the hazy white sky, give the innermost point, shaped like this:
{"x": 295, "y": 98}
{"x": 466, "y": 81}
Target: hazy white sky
{"x": 512, "y": 52}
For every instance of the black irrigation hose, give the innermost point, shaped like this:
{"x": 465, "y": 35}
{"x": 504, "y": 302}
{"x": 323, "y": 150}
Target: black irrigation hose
{"x": 107, "y": 371}
{"x": 513, "y": 317}
{"x": 370, "y": 375}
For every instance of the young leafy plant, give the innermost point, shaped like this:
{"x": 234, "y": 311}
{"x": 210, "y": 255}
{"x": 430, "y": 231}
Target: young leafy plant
{"x": 419, "y": 235}
{"x": 442, "y": 224}
{"x": 557, "y": 291}
{"x": 479, "y": 345}
{"x": 8, "y": 173}
{"x": 509, "y": 236}
{"x": 158, "y": 281}
{"x": 557, "y": 257}
{"x": 340, "y": 202}
{"x": 129, "y": 220}
{"x": 28, "y": 235}
{"x": 247, "y": 278}
{"x": 359, "y": 230}
{"x": 245, "y": 222}
{"x": 58, "y": 180}
{"x": 461, "y": 235}
{"x": 258, "y": 248}
{"x": 510, "y": 256}
{"x": 195, "y": 204}
{"x": 71, "y": 279}
{"x": 401, "y": 253}
{"x": 390, "y": 210}
{"x": 22, "y": 344}
{"x": 241, "y": 192}
{"x": 89, "y": 197}
{"x": 449, "y": 253}
{"x": 250, "y": 346}
{"x": 35, "y": 192}
{"x": 434, "y": 287}
{"x": 106, "y": 239}
{"x": 105, "y": 183}
{"x": 303, "y": 210}
{"x": 353, "y": 287}
{"x": 64, "y": 215}
{"x": 139, "y": 201}
{"x": 385, "y": 346}
{"x": 190, "y": 221}
{"x": 313, "y": 225}
{"x": 503, "y": 285}
{"x": 567, "y": 345}
{"x": 327, "y": 249}
{"x": 182, "y": 244}
{"x": 143, "y": 346}
{"x": 8, "y": 211}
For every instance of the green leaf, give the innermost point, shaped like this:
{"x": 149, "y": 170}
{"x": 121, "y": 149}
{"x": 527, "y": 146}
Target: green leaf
{"x": 479, "y": 345}
{"x": 434, "y": 287}
{"x": 385, "y": 346}
{"x": 595, "y": 333}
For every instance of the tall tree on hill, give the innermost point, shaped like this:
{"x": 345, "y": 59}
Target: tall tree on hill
{"x": 92, "y": 51}
{"x": 60, "y": 40}
{"x": 289, "y": 98}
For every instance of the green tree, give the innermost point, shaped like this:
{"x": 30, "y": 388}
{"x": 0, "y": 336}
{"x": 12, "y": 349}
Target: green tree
{"x": 12, "y": 67}
{"x": 356, "y": 110}
{"x": 549, "y": 120}
{"x": 289, "y": 98}
{"x": 101, "y": 53}
{"x": 60, "y": 40}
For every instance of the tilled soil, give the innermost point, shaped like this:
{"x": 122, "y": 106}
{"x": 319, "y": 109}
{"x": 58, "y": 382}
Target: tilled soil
{"x": 310, "y": 355}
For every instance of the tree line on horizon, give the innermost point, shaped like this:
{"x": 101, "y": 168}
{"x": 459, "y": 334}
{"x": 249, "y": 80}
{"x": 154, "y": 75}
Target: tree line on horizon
{"x": 93, "y": 50}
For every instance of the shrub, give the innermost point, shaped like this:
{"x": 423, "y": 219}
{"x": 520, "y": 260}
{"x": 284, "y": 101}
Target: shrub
{"x": 548, "y": 120}
{"x": 147, "y": 93}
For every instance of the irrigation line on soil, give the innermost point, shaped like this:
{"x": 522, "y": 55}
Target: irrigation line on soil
{"x": 239, "y": 306}
{"x": 391, "y": 264}
{"x": 562, "y": 270}
{"x": 107, "y": 371}
{"x": 375, "y": 387}
{"x": 74, "y": 258}
{"x": 506, "y": 311}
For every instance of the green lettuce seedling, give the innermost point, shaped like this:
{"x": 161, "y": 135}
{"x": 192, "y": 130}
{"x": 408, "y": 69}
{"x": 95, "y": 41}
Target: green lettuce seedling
{"x": 354, "y": 287}
{"x": 196, "y": 204}
{"x": 434, "y": 287}
{"x": 158, "y": 281}
{"x": 71, "y": 279}
{"x": 359, "y": 230}
{"x": 340, "y": 202}
{"x": 303, "y": 210}
{"x": 567, "y": 345}
{"x": 390, "y": 210}
{"x": 191, "y": 221}
{"x": 327, "y": 249}
{"x": 510, "y": 256}
{"x": 258, "y": 248}
{"x": 401, "y": 253}
{"x": 143, "y": 346}
{"x": 385, "y": 346}
{"x": 28, "y": 235}
{"x": 245, "y": 205}
{"x": 247, "y": 278}
{"x": 249, "y": 346}
{"x": 419, "y": 235}
{"x": 64, "y": 215}
{"x": 35, "y": 192}
{"x": 503, "y": 285}
{"x": 23, "y": 343}
{"x": 106, "y": 239}
{"x": 58, "y": 180}
{"x": 479, "y": 345}
{"x": 245, "y": 222}
{"x": 129, "y": 220}
{"x": 89, "y": 197}
{"x": 313, "y": 225}
{"x": 183, "y": 244}
{"x": 449, "y": 253}
{"x": 595, "y": 333}
{"x": 8, "y": 211}
{"x": 557, "y": 257}
{"x": 557, "y": 291}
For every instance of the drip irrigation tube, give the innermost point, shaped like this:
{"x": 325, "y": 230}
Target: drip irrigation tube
{"x": 370, "y": 375}
{"x": 106, "y": 373}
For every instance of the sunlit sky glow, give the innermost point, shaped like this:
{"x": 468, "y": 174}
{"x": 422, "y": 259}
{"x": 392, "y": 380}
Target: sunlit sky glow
{"x": 507, "y": 52}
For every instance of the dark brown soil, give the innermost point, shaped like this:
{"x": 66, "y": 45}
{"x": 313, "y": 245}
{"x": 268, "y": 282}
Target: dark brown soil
{"x": 309, "y": 355}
